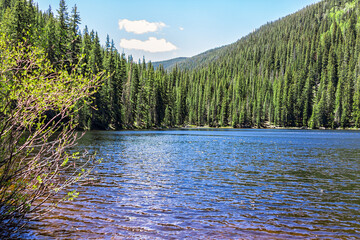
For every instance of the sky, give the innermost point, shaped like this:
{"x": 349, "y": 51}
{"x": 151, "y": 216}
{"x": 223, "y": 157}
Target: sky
{"x": 165, "y": 29}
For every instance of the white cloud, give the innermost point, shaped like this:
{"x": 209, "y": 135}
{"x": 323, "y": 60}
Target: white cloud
{"x": 181, "y": 28}
{"x": 141, "y": 26}
{"x": 152, "y": 45}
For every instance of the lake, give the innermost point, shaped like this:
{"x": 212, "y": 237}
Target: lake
{"x": 215, "y": 184}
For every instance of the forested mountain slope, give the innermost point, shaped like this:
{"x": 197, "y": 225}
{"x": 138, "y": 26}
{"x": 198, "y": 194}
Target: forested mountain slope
{"x": 302, "y": 70}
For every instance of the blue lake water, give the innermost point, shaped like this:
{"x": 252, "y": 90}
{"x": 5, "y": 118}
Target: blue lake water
{"x": 215, "y": 184}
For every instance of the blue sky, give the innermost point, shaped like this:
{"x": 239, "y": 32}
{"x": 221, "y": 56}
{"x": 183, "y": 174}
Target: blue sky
{"x": 165, "y": 29}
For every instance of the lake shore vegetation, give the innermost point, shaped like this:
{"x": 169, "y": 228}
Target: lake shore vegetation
{"x": 38, "y": 119}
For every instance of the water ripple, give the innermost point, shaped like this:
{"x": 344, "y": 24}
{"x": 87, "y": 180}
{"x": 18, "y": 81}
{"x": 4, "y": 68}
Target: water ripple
{"x": 215, "y": 184}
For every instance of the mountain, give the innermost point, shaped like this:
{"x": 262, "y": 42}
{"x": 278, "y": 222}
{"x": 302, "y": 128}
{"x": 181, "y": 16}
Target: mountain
{"x": 204, "y": 59}
{"x": 193, "y": 62}
{"x": 169, "y": 64}
{"x": 302, "y": 70}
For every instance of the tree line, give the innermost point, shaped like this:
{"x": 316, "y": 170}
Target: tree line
{"x": 300, "y": 71}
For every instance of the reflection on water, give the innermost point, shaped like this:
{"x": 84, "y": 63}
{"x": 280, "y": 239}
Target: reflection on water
{"x": 215, "y": 184}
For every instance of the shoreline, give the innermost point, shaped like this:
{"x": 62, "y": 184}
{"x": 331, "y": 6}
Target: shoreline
{"x": 194, "y": 127}
{"x": 189, "y": 127}
{"x": 271, "y": 127}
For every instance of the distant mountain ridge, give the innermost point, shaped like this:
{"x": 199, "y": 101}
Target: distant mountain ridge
{"x": 169, "y": 64}
{"x": 191, "y": 62}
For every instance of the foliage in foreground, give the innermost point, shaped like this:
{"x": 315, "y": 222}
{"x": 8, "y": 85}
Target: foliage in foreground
{"x": 37, "y": 130}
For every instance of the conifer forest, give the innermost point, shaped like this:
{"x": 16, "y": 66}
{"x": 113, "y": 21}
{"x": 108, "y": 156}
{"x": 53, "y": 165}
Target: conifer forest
{"x": 300, "y": 71}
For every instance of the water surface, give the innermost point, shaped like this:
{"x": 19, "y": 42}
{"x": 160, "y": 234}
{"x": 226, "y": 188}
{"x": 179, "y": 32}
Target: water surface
{"x": 215, "y": 184}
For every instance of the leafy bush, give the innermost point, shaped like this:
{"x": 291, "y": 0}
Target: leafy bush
{"x": 37, "y": 130}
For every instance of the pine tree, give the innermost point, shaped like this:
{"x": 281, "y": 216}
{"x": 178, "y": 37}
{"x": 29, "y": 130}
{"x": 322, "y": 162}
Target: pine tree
{"x": 49, "y": 39}
{"x": 62, "y": 29}
{"x": 74, "y": 35}
{"x": 86, "y": 46}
